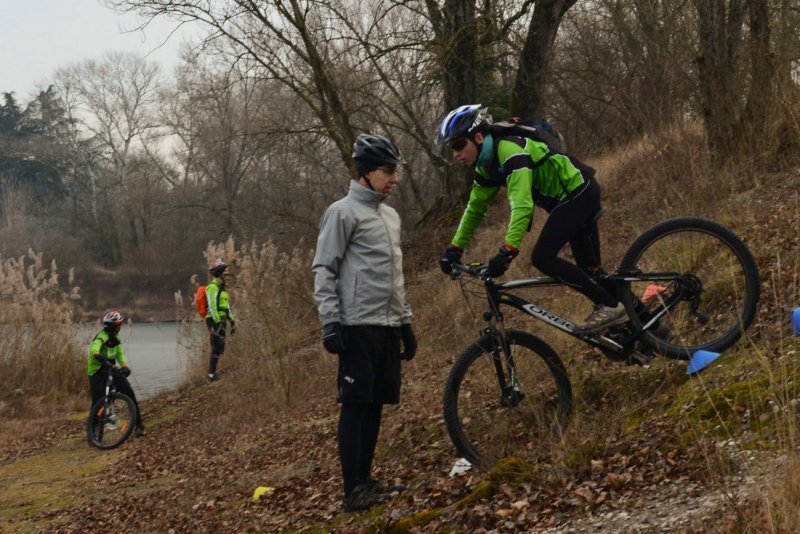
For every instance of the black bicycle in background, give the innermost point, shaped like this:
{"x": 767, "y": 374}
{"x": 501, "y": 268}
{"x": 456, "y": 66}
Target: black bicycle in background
{"x": 113, "y": 418}
{"x": 688, "y": 284}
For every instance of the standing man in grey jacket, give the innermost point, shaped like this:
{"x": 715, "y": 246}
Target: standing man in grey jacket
{"x": 359, "y": 290}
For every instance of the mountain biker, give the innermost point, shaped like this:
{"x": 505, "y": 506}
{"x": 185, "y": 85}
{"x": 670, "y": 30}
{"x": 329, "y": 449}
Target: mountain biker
{"x": 559, "y": 183}
{"x": 360, "y": 294}
{"x": 219, "y": 314}
{"x": 105, "y": 352}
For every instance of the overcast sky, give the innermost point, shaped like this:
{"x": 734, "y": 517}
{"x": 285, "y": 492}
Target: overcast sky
{"x": 39, "y": 36}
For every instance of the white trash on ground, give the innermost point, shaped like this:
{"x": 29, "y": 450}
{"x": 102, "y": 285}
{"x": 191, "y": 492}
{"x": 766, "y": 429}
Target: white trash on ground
{"x": 461, "y": 466}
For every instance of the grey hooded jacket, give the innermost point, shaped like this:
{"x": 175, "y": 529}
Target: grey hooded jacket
{"x": 358, "y": 266}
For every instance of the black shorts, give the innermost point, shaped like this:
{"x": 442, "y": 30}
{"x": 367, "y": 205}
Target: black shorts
{"x": 369, "y": 371}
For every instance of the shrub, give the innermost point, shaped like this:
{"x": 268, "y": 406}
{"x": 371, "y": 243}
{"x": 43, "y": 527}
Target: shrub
{"x": 41, "y": 364}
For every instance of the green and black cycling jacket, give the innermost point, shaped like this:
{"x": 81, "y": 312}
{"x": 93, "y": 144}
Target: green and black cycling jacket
{"x": 533, "y": 176}
{"x": 108, "y": 345}
{"x": 219, "y": 308}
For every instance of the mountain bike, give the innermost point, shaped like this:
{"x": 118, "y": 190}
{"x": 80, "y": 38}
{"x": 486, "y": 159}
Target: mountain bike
{"x": 113, "y": 418}
{"x": 687, "y": 284}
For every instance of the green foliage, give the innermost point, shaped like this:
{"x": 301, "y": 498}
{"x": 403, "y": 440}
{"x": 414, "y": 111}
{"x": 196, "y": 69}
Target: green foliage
{"x": 30, "y": 149}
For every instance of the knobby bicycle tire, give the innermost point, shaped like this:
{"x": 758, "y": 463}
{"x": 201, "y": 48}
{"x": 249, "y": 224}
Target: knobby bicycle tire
{"x": 481, "y": 425}
{"x": 106, "y": 432}
{"x": 718, "y": 261}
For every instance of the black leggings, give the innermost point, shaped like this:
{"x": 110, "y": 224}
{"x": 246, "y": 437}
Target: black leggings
{"x": 359, "y": 425}
{"x": 571, "y": 222}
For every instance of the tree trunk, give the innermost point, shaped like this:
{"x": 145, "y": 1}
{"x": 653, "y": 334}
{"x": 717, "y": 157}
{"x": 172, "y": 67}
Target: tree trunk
{"x": 720, "y": 29}
{"x": 760, "y": 98}
{"x": 528, "y": 98}
{"x": 456, "y": 43}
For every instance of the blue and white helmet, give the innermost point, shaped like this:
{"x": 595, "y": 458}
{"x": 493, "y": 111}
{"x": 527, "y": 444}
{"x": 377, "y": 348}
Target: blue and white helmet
{"x": 463, "y": 122}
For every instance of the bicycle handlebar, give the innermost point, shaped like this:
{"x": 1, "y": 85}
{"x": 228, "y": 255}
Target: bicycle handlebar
{"x": 476, "y": 270}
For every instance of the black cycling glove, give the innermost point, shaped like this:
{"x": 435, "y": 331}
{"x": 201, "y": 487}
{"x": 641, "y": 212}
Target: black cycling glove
{"x": 332, "y": 338}
{"x": 500, "y": 263}
{"x": 125, "y": 371}
{"x": 409, "y": 342}
{"x": 451, "y": 256}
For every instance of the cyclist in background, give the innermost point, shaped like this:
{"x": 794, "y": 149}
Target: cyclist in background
{"x": 105, "y": 352}
{"x": 219, "y": 314}
{"x": 559, "y": 183}
{"x": 360, "y": 294}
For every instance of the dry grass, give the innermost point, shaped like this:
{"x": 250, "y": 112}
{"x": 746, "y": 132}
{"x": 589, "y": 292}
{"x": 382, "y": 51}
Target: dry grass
{"x": 41, "y": 365}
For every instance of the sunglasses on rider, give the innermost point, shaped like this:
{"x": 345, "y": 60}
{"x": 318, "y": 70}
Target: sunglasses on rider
{"x": 458, "y": 144}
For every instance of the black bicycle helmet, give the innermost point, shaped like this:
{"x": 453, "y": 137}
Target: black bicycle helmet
{"x": 217, "y": 268}
{"x": 376, "y": 150}
{"x": 463, "y": 122}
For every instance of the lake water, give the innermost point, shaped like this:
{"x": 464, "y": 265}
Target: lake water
{"x": 155, "y": 356}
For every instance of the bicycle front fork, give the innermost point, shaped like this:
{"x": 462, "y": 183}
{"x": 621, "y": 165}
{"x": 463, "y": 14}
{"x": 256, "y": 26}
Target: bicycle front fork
{"x": 510, "y": 391}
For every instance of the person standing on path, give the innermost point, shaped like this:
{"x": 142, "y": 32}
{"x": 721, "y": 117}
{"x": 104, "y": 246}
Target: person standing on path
{"x": 219, "y": 314}
{"x": 360, "y": 295}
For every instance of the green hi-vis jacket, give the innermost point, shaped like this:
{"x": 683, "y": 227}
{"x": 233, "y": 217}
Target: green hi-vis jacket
{"x": 532, "y": 174}
{"x": 107, "y": 345}
{"x": 219, "y": 308}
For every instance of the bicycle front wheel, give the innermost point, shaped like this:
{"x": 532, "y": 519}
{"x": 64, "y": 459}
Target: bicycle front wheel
{"x": 720, "y": 279}
{"x": 111, "y": 421}
{"x": 486, "y": 423}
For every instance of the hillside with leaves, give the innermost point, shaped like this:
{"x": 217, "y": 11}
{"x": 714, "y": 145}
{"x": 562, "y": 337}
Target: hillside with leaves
{"x": 648, "y": 449}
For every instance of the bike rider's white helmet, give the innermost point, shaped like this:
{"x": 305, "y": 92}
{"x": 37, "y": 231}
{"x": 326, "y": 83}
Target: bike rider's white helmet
{"x": 112, "y": 319}
{"x": 217, "y": 268}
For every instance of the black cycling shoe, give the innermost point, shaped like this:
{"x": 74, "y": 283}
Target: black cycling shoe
{"x": 363, "y": 497}
{"x": 384, "y": 488}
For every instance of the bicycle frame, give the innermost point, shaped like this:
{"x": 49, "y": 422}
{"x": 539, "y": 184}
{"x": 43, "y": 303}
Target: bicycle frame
{"x": 498, "y": 293}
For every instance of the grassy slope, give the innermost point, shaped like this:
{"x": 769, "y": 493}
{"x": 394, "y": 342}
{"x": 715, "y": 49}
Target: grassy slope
{"x": 210, "y": 446}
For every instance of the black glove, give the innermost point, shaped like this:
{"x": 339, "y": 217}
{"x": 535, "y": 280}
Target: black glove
{"x": 332, "y": 338}
{"x": 233, "y": 327}
{"x": 104, "y": 363}
{"x": 451, "y": 256}
{"x": 499, "y": 264}
{"x": 124, "y": 371}
{"x": 409, "y": 342}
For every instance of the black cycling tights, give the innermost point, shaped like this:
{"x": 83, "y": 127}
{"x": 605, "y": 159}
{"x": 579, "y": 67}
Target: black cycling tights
{"x": 359, "y": 425}
{"x": 570, "y": 222}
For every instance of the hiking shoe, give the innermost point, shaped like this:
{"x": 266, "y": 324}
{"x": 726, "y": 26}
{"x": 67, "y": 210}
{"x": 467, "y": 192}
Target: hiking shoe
{"x": 212, "y": 377}
{"x": 140, "y": 432}
{"x": 363, "y": 497}
{"x": 603, "y": 317}
{"x": 384, "y": 488}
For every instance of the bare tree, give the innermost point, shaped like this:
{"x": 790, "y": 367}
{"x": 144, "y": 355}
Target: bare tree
{"x": 528, "y": 98}
{"x": 720, "y": 38}
{"x": 113, "y": 102}
{"x": 286, "y": 40}
{"x": 217, "y": 113}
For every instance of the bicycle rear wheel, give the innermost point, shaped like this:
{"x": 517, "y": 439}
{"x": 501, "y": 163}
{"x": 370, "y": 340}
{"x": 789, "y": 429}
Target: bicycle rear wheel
{"x": 722, "y": 277}
{"x": 111, "y": 421}
{"x": 482, "y": 423}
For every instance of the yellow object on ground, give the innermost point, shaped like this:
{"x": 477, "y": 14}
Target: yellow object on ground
{"x": 261, "y": 491}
